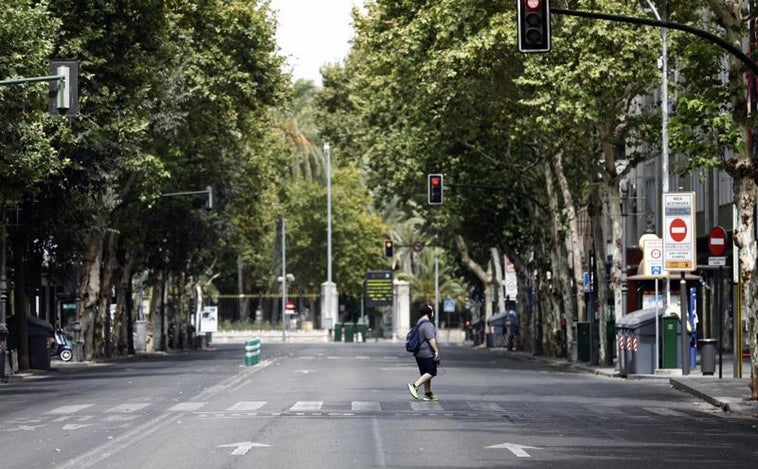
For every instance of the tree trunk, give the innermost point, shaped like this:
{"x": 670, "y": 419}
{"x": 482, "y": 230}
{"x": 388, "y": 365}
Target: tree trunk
{"x": 573, "y": 231}
{"x": 89, "y": 286}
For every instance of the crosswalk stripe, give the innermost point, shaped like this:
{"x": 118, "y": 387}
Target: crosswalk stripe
{"x": 365, "y": 406}
{"x": 306, "y": 406}
{"x": 486, "y": 406}
{"x": 247, "y": 405}
{"x": 187, "y": 407}
{"x": 68, "y": 409}
{"x": 127, "y": 408}
{"x": 426, "y": 406}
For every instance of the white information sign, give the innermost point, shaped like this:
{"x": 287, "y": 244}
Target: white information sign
{"x": 679, "y": 231}
{"x": 653, "y": 255}
{"x": 209, "y": 319}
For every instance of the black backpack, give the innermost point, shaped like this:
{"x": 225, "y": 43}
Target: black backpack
{"x": 413, "y": 339}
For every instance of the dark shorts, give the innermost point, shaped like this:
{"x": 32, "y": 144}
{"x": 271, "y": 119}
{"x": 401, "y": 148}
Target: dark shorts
{"x": 427, "y": 365}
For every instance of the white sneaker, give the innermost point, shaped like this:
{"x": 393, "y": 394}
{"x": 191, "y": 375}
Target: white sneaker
{"x": 413, "y": 390}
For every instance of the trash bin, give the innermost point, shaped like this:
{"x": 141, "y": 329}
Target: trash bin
{"x": 639, "y": 342}
{"x": 338, "y": 332}
{"x": 349, "y": 331}
{"x": 497, "y": 337}
{"x": 707, "y": 355}
{"x": 671, "y": 343}
{"x": 477, "y": 330}
{"x": 362, "y": 329}
{"x": 39, "y": 331}
{"x": 621, "y": 333}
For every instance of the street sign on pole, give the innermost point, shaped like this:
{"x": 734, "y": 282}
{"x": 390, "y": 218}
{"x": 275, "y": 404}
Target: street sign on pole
{"x": 717, "y": 241}
{"x": 653, "y": 257}
{"x": 679, "y": 231}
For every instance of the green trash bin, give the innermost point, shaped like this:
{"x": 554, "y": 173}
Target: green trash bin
{"x": 349, "y": 332}
{"x": 338, "y": 332}
{"x": 671, "y": 344}
{"x": 363, "y": 329}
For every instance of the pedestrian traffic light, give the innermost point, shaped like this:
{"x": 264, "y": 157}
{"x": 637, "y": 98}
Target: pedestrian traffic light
{"x": 534, "y": 25}
{"x": 434, "y": 189}
{"x": 389, "y": 248}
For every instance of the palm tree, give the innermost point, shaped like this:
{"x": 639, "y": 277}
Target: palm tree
{"x": 423, "y": 280}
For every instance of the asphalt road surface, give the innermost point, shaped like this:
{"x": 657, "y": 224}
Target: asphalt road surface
{"x": 347, "y": 406}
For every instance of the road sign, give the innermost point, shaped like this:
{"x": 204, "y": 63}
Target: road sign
{"x": 717, "y": 241}
{"x": 448, "y": 306}
{"x": 653, "y": 257}
{"x": 289, "y": 307}
{"x": 378, "y": 288}
{"x": 679, "y": 231}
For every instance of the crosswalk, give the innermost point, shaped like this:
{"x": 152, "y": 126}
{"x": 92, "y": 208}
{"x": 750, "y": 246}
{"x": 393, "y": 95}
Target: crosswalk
{"x": 79, "y": 416}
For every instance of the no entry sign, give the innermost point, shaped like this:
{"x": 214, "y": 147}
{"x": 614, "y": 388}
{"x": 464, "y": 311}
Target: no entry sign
{"x": 717, "y": 241}
{"x": 679, "y": 231}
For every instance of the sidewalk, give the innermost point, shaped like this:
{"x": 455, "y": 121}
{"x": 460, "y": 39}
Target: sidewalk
{"x": 728, "y": 393}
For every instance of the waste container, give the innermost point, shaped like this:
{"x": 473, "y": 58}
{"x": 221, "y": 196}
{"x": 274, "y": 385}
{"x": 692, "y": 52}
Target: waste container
{"x": 639, "y": 340}
{"x": 497, "y": 337}
{"x": 349, "y": 331}
{"x": 707, "y": 355}
{"x": 671, "y": 343}
{"x": 39, "y": 331}
{"x": 362, "y": 329}
{"x": 477, "y": 330}
{"x": 338, "y": 332}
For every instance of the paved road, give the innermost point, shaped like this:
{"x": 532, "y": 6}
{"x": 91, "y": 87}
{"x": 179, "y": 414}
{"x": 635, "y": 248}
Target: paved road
{"x": 346, "y": 405}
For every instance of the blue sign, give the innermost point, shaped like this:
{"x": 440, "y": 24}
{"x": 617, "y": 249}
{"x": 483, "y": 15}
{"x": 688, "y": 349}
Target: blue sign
{"x": 656, "y": 270}
{"x": 448, "y": 306}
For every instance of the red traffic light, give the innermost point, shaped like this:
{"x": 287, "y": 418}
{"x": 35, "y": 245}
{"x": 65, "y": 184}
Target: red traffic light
{"x": 434, "y": 189}
{"x": 534, "y": 25}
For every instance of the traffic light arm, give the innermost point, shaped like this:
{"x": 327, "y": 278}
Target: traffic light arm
{"x": 736, "y": 52}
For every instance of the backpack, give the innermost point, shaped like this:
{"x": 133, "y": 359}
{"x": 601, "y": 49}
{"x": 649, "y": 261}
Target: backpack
{"x": 413, "y": 339}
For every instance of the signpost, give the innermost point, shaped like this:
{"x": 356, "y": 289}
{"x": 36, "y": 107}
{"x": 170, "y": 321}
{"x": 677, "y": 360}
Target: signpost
{"x": 653, "y": 257}
{"x": 717, "y": 247}
{"x": 679, "y": 252}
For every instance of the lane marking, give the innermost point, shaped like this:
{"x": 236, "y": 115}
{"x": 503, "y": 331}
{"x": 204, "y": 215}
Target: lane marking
{"x": 67, "y": 409}
{"x": 187, "y": 407}
{"x": 247, "y": 405}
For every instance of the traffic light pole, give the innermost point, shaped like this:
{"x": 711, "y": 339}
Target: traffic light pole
{"x": 736, "y": 52}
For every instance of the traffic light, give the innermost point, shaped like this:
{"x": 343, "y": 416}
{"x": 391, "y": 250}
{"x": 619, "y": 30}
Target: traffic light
{"x": 64, "y": 94}
{"x": 434, "y": 189}
{"x": 389, "y": 248}
{"x": 209, "y": 199}
{"x": 534, "y": 25}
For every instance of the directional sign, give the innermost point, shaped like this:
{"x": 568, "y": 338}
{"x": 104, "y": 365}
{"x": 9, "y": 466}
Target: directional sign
{"x": 679, "y": 231}
{"x": 717, "y": 241}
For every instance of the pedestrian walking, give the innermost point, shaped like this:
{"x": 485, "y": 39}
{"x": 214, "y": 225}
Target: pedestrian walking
{"x": 427, "y": 356}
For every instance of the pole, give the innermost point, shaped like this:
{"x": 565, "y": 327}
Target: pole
{"x": 284, "y": 283}
{"x": 436, "y": 288}
{"x": 657, "y": 327}
{"x": 3, "y": 300}
{"x": 685, "y": 346}
{"x": 327, "y": 152}
{"x": 720, "y": 319}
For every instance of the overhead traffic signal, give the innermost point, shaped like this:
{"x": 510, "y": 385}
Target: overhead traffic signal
{"x": 434, "y": 189}
{"x": 534, "y": 25}
{"x": 64, "y": 93}
{"x": 389, "y": 248}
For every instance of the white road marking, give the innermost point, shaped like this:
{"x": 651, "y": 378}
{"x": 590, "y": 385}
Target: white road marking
{"x": 67, "y": 409}
{"x": 486, "y": 406}
{"x": 127, "y": 408}
{"x": 187, "y": 407}
{"x": 517, "y": 450}
{"x": 241, "y": 448}
{"x": 365, "y": 406}
{"x": 247, "y": 405}
{"x": 307, "y": 406}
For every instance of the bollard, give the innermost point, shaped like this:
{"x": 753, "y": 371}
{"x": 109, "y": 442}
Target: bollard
{"x": 252, "y": 351}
